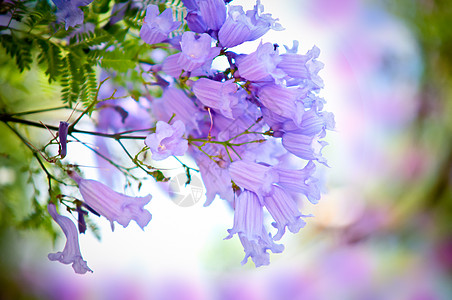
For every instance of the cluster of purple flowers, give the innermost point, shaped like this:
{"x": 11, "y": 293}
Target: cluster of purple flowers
{"x": 243, "y": 123}
{"x": 245, "y": 126}
{"x": 70, "y": 12}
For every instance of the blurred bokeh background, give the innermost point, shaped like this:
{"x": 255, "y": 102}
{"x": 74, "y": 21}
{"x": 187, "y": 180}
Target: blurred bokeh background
{"x": 382, "y": 229}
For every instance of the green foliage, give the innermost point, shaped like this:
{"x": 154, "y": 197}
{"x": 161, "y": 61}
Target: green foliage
{"x": 91, "y": 38}
{"x": 16, "y": 8}
{"x": 39, "y": 17}
{"x": 19, "y": 49}
{"x": 118, "y": 60}
{"x": 70, "y": 60}
{"x": 101, "y": 6}
{"x": 158, "y": 176}
{"x": 50, "y": 56}
{"x": 89, "y": 87}
{"x": 72, "y": 79}
{"x": 38, "y": 219}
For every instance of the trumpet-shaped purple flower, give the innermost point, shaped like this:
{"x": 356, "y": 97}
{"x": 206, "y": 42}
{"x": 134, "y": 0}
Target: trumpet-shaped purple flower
{"x": 175, "y": 101}
{"x": 70, "y": 12}
{"x": 171, "y": 66}
{"x": 284, "y": 211}
{"x": 303, "y": 146}
{"x": 248, "y": 217}
{"x": 253, "y": 176}
{"x": 218, "y": 95}
{"x": 196, "y": 51}
{"x": 113, "y": 205}
{"x": 300, "y": 181}
{"x": 261, "y": 65}
{"x": 167, "y": 140}
{"x": 282, "y": 101}
{"x": 62, "y": 135}
{"x": 214, "y": 175}
{"x": 270, "y": 185}
{"x": 302, "y": 68}
{"x": 71, "y": 252}
{"x": 213, "y": 12}
{"x": 236, "y": 29}
{"x": 248, "y": 224}
{"x": 191, "y": 4}
{"x": 195, "y": 22}
{"x": 312, "y": 123}
{"x": 156, "y": 27}
{"x": 261, "y": 23}
{"x": 257, "y": 250}
{"x": 240, "y": 27}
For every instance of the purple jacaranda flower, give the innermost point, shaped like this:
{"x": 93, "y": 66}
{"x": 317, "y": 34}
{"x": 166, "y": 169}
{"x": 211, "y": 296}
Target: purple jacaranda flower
{"x": 312, "y": 123}
{"x": 303, "y": 69}
{"x": 282, "y": 101}
{"x": 261, "y": 65}
{"x": 70, "y": 12}
{"x": 215, "y": 175}
{"x": 167, "y": 140}
{"x": 261, "y": 23}
{"x": 113, "y": 205}
{"x": 236, "y": 29}
{"x": 62, "y": 135}
{"x": 171, "y": 66}
{"x": 248, "y": 216}
{"x": 283, "y": 209}
{"x": 254, "y": 177}
{"x": 195, "y": 22}
{"x": 258, "y": 250}
{"x": 300, "y": 181}
{"x": 221, "y": 96}
{"x": 240, "y": 27}
{"x": 213, "y": 12}
{"x": 156, "y": 27}
{"x": 248, "y": 224}
{"x": 303, "y": 146}
{"x": 191, "y": 4}
{"x": 71, "y": 252}
{"x": 196, "y": 51}
{"x": 245, "y": 117}
{"x": 175, "y": 101}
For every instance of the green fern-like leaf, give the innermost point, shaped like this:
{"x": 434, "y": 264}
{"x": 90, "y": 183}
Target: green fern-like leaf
{"x": 133, "y": 18}
{"x": 89, "y": 87}
{"x": 18, "y": 48}
{"x": 87, "y": 39}
{"x": 118, "y": 60}
{"x": 39, "y": 17}
{"x": 16, "y": 8}
{"x": 50, "y": 56}
{"x": 72, "y": 79}
{"x": 38, "y": 218}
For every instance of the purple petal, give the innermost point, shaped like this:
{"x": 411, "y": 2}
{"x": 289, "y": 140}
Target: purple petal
{"x": 113, "y": 205}
{"x": 284, "y": 211}
{"x": 213, "y": 12}
{"x": 71, "y": 252}
{"x": 253, "y": 176}
{"x": 167, "y": 140}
